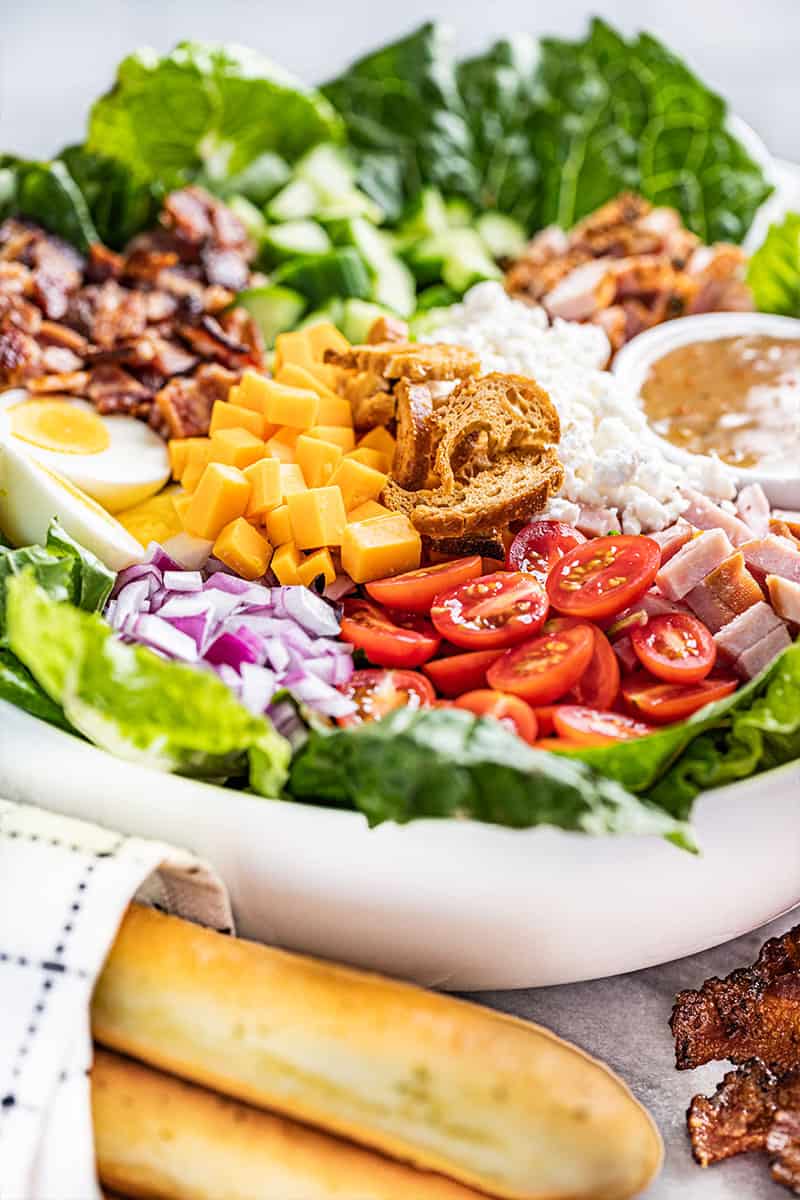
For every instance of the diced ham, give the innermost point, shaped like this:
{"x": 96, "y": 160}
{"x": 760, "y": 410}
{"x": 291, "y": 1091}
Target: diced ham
{"x": 753, "y": 507}
{"x": 724, "y": 593}
{"x": 655, "y": 604}
{"x": 690, "y": 565}
{"x": 747, "y": 629}
{"x": 623, "y": 648}
{"x": 784, "y": 595}
{"x": 582, "y": 292}
{"x": 773, "y": 555}
{"x": 673, "y": 539}
{"x": 597, "y": 522}
{"x": 754, "y": 659}
{"x": 705, "y": 514}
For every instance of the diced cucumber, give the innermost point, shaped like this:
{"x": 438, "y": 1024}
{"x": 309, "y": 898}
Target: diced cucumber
{"x": 504, "y": 237}
{"x": 358, "y": 318}
{"x": 294, "y": 202}
{"x": 280, "y": 242}
{"x": 466, "y": 261}
{"x": 459, "y": 213}
{"x": 437, "y": 296}
{"x": 321, "y": 277}
{"x": 426, "y": 258}
{"x": 425, "y": 218}
{"x": 274, "y": 309}
{"x": 392, "y": 282}
{"x": 251, "y": 217}
{"x": 260, "y": 179}
{"x": 332, "y": 311}
{"x": 329, "y": 171}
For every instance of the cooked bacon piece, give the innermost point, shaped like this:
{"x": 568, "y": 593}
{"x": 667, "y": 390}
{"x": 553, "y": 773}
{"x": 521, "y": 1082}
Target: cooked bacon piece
{"x": 185, "y": 404}
{"x": 103, "y": 263}
{"x": 725, "y": 592}
{"x": 783, "y": 1139}
{"x": 693, "y": 563}
{"x": 55, "y": 334}
{"x": 754, "y": 508}
{"x": 738, "y": 1117}
{"x": 74, "y": 382}
{"x": 113, "y": 390}
{"x": 753, "y": 1013}
{"x": 583, "y": 292}
{"x": 209, "y": 340}
{"x": 58, "y": 359}
{"x": 20, "y": 357}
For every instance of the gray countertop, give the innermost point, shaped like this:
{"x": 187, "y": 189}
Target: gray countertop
{"x": 623, "y": 1021}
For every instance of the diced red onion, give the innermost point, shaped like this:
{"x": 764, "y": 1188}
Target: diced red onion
{"x": 310, "y": 611}
{"x": 183, "y": 581}
{"x": 160, "y": 559}
{"x": 233, "y": 649}
{"x": 320, "y": 696}
{"x": 189, "y": 552}
{"x": 131, "y": 600}
{"x": 341, "y": 586}
{"x": 259, "y": 685}
{"x": 134, "y": 573}
{"x": 231, "y": 583}
{"x": 160, "y": 635}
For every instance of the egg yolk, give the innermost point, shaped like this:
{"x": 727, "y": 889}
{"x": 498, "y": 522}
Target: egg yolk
{"x": 61, "y": 426}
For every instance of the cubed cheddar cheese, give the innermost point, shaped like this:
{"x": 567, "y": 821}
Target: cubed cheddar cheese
{"x": 380, "y": 547}
{"x": 250, "y": 391}
{"x": 282, "y": 443}
{"x": 367, "y": 510}
{"x": 325, "y": 374}
{"x": 197, "y": 456}
{"x": 296, "y": 407}
{"x": 286, "y": 561}
{"x": 378, "y": 439}
{"x": 339, "y": 434}
{"x": 221, "y": 496}
{"x": 178, "y": 450}
{"x": 371, "y": 458}
{"x": 235, "y": 448}
{"x": 318, "y": 563}
{"x": 335, "y": 410}
{"x": 299, "y": 377}
{"x": 324, "y": 336}
{"x": 243, "y": 549}
{"x": 316, "y": 459}
{"x": 278, "y": 526}
{"x": 357, "y": 482}
{"x": 294, "y": 348}
{"x": 317, "y": 517}
{"x": 181, "y": 503}
{"x": 264, "y": 478}
{"x": 235, "y": 396}
{"x": 292, "y": 480}
{"x": 225, "y": 415}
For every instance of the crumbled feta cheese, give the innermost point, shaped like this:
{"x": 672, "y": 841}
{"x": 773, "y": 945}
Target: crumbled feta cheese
{"x": 611, "y": 457}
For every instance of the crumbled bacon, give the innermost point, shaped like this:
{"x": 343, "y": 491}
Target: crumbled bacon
{"x": 157, "y": 320}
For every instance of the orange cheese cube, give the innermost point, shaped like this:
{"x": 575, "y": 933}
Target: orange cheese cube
{"x": 197, "y": 457}
{"x": 294, "y": 348}
{"x": 357, "y": 482}
{"x": 299, "y": 377}
{"x": 372, "y": 458}
{"x": 235, "y": 395}
{"x": 243, "y": 549}
{"x": 380, "y": 547}
{"x": 367, "y": 510}
{"x": 178, "y": 450}
{"x": 317, "y": 517}
{"x": 236, "y": 448}
{"x": 326, "y": 374}
{"x": 339, "y": 434}
{"x": 221, "y": 496}
{"x": 282, "y": 443}
{"x": 286, "y": 561}
{"x": 296, "y": 407}
{"x": 318, "y": 563}
{"x": 233, "y": 416}
{"x": 292, "y": 480}
{"x": 181, "y": 504}
{"x": 378, "y": 439}
{"x": 279, "y": 529}
{"x": 324, "y": 336}
{"x": 251, "y": 393}
{"x": 264, "y": 478}
{"x": 335, "y": 410}
{"x": 316, "y": 459}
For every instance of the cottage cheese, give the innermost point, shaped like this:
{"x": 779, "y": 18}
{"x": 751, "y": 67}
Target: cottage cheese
{"x": 611, "y": 459}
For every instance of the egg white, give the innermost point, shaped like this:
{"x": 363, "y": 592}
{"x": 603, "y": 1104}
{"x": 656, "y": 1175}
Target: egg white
{"x": 133, "y": 466}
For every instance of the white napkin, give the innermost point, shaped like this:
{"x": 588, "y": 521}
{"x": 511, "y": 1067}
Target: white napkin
{"x": 64, "y": 887}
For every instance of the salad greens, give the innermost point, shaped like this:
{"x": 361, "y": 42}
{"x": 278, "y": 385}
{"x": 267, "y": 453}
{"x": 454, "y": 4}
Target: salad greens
{"x": 46, "y": 192}
{"x": 774, "y": 270}
{"x": 131, "y": 702}
{"x": 449, "y": 763}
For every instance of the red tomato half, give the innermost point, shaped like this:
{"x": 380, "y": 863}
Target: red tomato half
{"x": 664, "y": 703}
{"x": 515, "y": 714}
{"x": 593, "y": 727}
{"x": 492, "y": 611}
{"x": 675, "y": 647}
{"x": 598, "y": 686}
{"x": 544, "y": 719}
{"x": 415, "y": 591}
{"x": 540, "y": 545}
{"x": 602, "y": 577}
{"x": 389, "y": 641}
{"x": 380, "y": 692}
{"x": 460, "y": 672}
{"x": 546, "y": 667}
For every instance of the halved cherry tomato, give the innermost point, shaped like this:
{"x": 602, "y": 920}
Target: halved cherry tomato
{"x": 598, "y": 686}
{"x": 540, "y": 545}
{"x": 415, "y": 591}
{"x": 510, "y": 711}
{"x": 602, "y": 577}
{"x": 388, "y": 641}
{"x": 377, "y": 693}
{"x": 675, "y": 647}
{"x": 546, "y": 667}
{"x": 664, "y": 703}
{"x": 594, "y": 727}
{"x": 544, "y": 719}
{"x": 492, "y": 611}
{"x": 460, "y": 672}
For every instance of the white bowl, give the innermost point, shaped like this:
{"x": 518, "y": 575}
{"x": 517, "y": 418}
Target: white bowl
{"x": 453, "y": 904}
{"x": 634, "y": 361}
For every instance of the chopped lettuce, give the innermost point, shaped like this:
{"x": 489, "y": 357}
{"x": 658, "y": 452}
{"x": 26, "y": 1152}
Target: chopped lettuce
{"x": 129, "y": 701}
{"x": 47, "y": 193}
{"x": 18, "y": 687}
{"x": 448, "y": 763}
{"x": 774, "y": 270}
{"x": 119, "y": 204}
{"x": 205, "y": 108}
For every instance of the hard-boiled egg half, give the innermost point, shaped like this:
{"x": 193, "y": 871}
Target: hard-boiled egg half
{"x": 118, "y": 461}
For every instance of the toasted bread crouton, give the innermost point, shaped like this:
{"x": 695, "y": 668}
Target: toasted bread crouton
{"x": 415, "y": 361}
{"x": 420, "y": 407}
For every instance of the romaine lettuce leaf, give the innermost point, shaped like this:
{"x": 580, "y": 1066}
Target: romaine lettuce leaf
{"x": 46, "y": 192}
{"x": 18, "y": 687}
{"x": 205, "y": 108}
{"x": 120, "y": 205}
{"x": 448, "y": 763}
{"x": 131, "y": 702}
{"x": 774, "y": 270}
